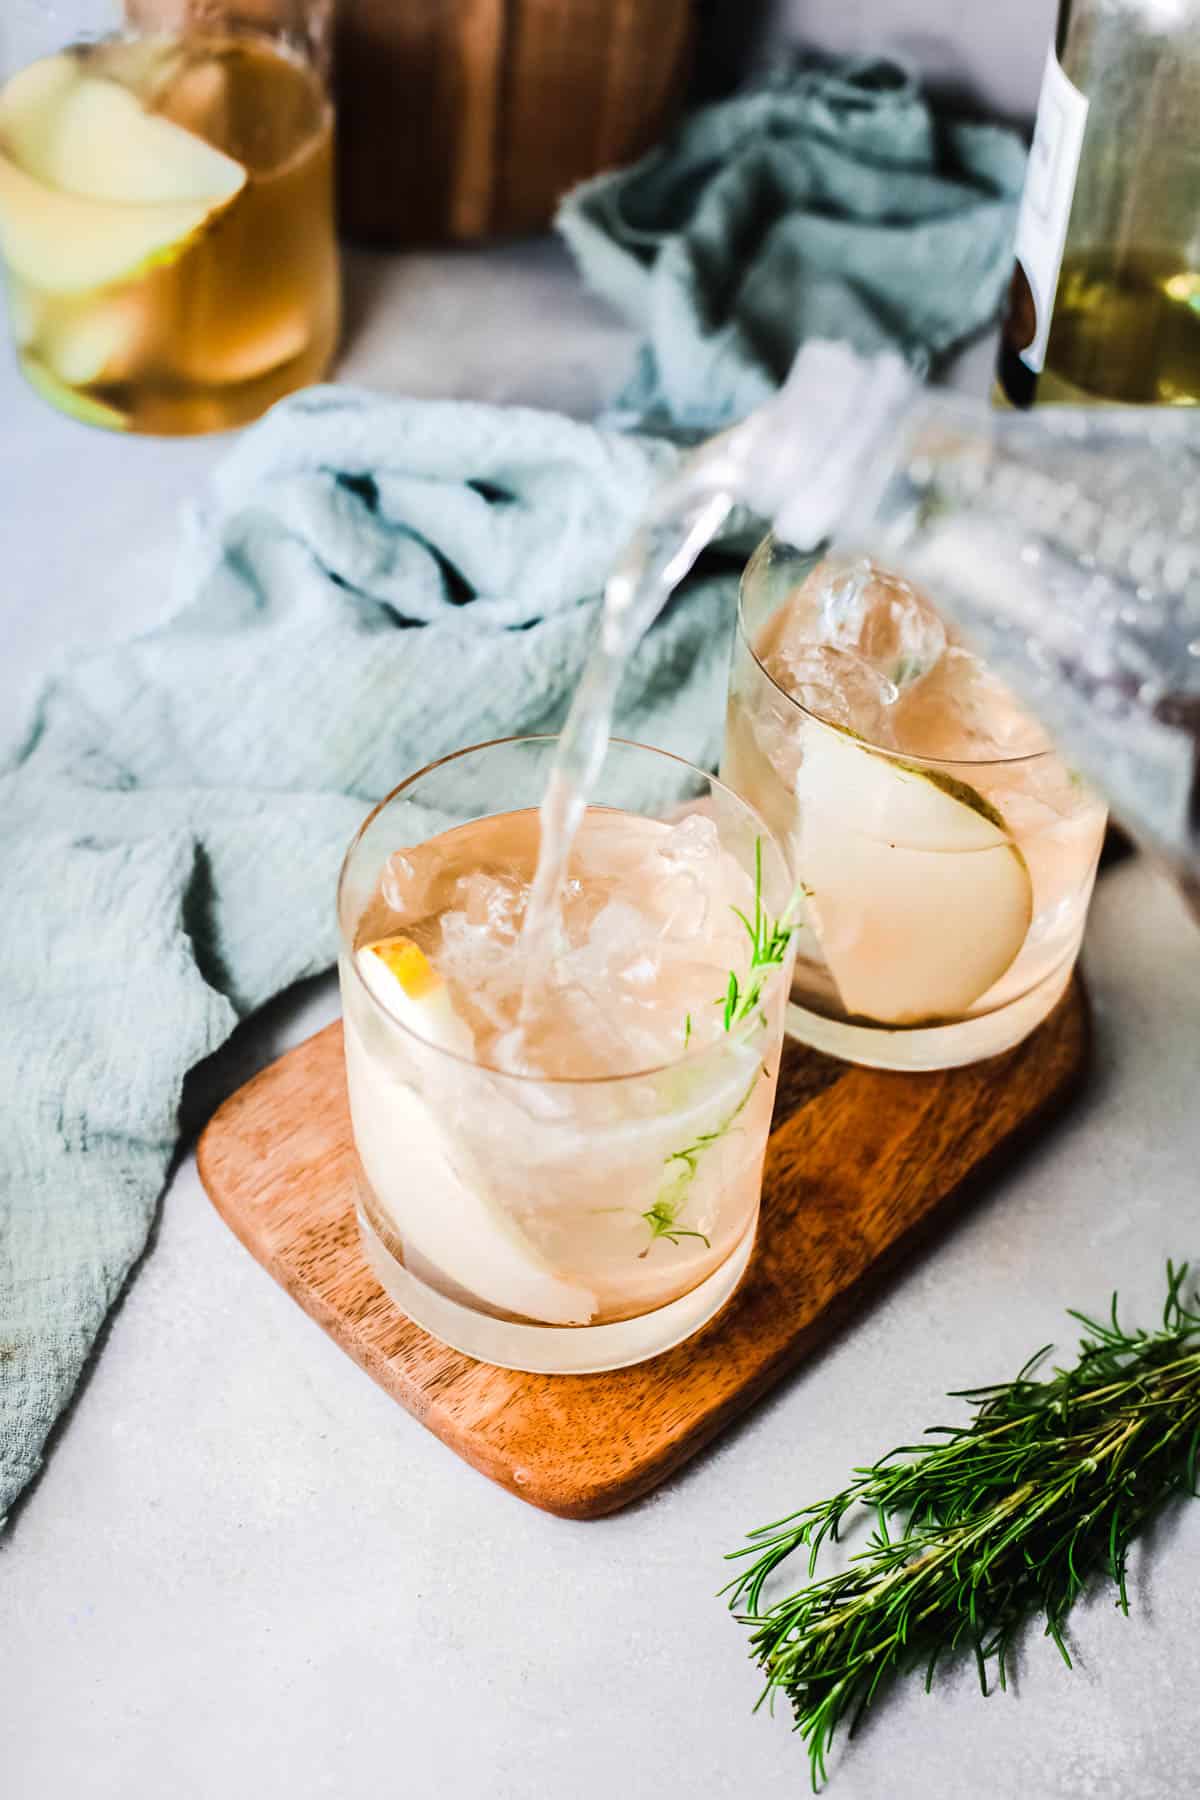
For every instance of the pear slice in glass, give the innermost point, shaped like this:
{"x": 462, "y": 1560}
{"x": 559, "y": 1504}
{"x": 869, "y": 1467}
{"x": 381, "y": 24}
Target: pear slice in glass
{"x": 919, "y": 896}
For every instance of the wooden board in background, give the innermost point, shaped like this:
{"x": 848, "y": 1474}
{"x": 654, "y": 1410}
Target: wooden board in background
{"x": 465, "y": 119}
{"x": 859, "y": 1167}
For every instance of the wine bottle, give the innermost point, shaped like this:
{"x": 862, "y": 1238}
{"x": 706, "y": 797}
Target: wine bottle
{"x": 1104, "y": 304}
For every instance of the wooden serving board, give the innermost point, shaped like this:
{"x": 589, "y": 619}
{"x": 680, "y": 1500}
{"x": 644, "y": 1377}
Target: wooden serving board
{"x": 860, "y": 1165}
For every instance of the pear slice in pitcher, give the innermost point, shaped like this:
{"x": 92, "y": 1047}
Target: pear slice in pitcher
{"x": 919, "y": 896}
{"x": 94, "y": 189}
{"x": 98, "y": 340}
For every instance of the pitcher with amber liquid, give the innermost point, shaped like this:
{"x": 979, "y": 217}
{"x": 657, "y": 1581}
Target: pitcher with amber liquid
{"x": 166, "y": 213}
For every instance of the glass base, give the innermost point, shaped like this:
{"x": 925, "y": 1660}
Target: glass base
{"x": 931, "y": 1046}
{"x": 183, "y": 410}
{"x": 552, "y": 1349}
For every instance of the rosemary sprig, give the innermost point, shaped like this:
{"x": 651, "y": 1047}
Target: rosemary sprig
{"x": 1007, "y": 1517}
{"x": 672, "y": 1197}
{"x": 769, "y": 940}
{"x": 661, "y": 1219}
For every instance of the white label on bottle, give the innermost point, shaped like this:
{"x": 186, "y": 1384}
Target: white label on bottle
{"x": 1046, "y": 203}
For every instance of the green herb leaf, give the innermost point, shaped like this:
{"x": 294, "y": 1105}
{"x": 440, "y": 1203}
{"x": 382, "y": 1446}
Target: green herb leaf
{"x": 769, "y": 943}
{"x": 662, "y": 1217}
{"x": 662, "y": 1224}
{"x": 1005, "y": 1517}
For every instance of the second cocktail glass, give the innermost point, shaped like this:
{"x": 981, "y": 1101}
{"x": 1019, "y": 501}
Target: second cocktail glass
{"x": 945, "y": 852}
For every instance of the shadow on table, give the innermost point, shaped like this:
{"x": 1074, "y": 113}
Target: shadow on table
{"x": 366, "y": 278}
{"x": 258, "y": 1040}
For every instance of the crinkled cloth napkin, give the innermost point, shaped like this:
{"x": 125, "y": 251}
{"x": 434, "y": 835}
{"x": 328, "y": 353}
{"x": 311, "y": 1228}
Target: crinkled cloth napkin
{"x": 828, "y": 200}
{"x": 370, "y": 583}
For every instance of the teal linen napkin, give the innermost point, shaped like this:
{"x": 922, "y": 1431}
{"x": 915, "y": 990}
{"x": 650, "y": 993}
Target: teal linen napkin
{"x": 829, "y": 200}
{"x": 369, "y": 584}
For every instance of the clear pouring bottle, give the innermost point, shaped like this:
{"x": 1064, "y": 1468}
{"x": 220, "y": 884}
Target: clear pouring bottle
{"x": 1065, "y": 544}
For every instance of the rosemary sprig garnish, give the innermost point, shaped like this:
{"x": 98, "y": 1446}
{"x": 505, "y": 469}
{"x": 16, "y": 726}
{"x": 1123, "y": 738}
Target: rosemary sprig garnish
{"x": 662, "y": 1216}
{"x": 1007, "y": 1517}
{"x": 661, "y": 1219}
{"x": 769, "y": 940}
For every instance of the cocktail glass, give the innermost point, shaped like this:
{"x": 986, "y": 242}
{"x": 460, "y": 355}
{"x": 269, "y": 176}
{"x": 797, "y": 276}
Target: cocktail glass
{"x": 945, "y": 853}
{"x": 559, "y": 1168}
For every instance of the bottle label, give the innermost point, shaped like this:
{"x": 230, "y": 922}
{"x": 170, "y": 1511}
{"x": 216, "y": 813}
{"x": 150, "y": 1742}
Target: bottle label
{"x": 1045, "y": 212}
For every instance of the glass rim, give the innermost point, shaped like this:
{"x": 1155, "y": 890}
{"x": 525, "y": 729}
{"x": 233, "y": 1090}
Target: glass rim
{"x": 692, "y": 1058}
{"x": 290, "y": 33}
{"x": 910, "y": 757}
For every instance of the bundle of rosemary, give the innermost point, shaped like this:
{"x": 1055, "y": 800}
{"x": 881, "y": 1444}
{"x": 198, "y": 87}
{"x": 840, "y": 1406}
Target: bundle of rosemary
{"x": 1004, "y": 1518}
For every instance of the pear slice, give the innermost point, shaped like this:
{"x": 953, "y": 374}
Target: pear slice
{"x": 69, "y": 400}
{"x": 90, "y": 136}
{"x": 93, "y": 189}
{"x": 440, "y": 1207}
{"x": 29, "y": 102}
{"x": 918, "y": 895}
{"x": 440, "y": 1204}
{"x": 24, "y": 314}
{"x": 98, "y": 341}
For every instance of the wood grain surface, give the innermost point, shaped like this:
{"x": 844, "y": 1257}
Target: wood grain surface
{"x": 860, "y": 1165}
{"x": 462, "y": 119}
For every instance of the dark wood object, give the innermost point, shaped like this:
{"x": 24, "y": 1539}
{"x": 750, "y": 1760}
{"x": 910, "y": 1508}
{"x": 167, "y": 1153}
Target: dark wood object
{"x": 470, "y": 118}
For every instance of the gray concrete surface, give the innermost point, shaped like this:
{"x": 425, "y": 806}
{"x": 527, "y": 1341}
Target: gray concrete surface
{"x": 245, "y": 1572}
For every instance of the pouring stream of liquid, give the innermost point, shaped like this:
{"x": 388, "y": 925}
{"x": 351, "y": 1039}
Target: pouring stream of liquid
{"x": 653, "y": 565}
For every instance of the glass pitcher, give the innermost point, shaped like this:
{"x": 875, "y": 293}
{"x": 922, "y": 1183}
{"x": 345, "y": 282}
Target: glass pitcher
{"x": 166, "y": 207}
